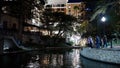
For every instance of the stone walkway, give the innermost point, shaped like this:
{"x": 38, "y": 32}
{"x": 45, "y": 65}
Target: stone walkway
{"x": 109, "y": 55}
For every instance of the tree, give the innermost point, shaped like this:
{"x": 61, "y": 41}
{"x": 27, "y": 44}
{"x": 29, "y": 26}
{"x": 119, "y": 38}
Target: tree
{"x": 21, "y": 9}
{"x": 17, "y": 7}
{"x": 76, "y": 8}
{"x": 83, "y": 27}
{"x": 110, "y": 9}
{"x": 57, "y": 21}
{"x": 57, "y": 24}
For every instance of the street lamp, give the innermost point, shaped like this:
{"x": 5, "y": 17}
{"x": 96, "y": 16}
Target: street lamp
{"x": 103, "y": 19}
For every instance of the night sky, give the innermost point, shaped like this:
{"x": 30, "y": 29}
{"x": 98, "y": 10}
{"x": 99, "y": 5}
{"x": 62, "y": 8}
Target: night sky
{"x": 89, "y": 3}
{"x": 74, "y": 0}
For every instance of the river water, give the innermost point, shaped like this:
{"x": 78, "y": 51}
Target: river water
{"x": 47, "y": 59}
{"x": 41, "y": 59}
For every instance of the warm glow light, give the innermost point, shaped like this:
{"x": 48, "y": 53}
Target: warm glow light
{"x": 69, "y": 7}
{"x": 34, "y": 30}
{"x": 83, "y": 42}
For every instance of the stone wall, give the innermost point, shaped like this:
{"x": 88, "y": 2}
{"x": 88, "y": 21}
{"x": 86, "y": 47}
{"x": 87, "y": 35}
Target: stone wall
{"x": 104, "y": 55}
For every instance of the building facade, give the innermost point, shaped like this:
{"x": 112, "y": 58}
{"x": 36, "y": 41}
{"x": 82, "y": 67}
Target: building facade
{"x": 56, "y": 5}
{"x": 75, "y": 8}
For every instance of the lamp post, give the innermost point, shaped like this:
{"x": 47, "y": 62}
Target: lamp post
{"x": 103, "y": 19}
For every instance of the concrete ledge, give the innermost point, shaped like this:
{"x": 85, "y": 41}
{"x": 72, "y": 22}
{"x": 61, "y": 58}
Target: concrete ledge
{"x": 103, "y": 55}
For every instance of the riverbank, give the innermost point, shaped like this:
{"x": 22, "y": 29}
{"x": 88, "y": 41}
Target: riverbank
{"x": 41, "y": 49}
{"x": 108, "y": 55}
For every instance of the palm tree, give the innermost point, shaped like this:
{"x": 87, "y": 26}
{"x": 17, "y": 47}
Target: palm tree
{"x": 105, "y": 7}
{"x": 110, "y": 9}
{"x": 76, "y": 8}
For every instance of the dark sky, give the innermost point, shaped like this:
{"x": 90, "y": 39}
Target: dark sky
{"x": 74, "y": 0}
{"x": 89, "y": 2}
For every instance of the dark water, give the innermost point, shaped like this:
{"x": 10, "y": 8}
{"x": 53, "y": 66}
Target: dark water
{"x": 87, "y": 63}
{"x": 41, "y": 59}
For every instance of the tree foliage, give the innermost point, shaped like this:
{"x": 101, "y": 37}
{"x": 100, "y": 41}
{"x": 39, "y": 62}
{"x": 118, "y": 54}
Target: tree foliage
{"x": 110, "y": 9}
{"x": 23, "y": 10}
{"x": 57, "y": 21}
{"x": 21, "y": 7}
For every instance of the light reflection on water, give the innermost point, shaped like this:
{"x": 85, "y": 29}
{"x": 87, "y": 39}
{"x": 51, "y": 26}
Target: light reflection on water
{"x": 41, "y": 60}
{"x": 38, "y": 59}
{"x": 66, "y": 60}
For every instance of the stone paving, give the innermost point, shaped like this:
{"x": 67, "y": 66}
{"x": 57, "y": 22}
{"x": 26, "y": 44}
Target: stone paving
{"x": 109, "y": 55}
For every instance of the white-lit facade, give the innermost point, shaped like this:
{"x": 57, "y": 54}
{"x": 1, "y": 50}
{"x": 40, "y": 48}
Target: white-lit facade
{"x": 66, "y": 7}
{"x": 56, "y": 5}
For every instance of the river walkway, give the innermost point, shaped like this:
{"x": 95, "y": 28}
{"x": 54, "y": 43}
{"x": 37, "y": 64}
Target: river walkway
{"x": 108, "y": 55}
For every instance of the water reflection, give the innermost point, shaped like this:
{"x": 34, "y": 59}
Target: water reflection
{"x": 71, "y": 60}
{"x": 41, "y": 59}
{"x": 65, "y": 60}
{"x": 38, "y": 59}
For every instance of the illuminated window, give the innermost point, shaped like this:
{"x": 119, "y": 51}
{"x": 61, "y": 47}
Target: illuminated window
{"x": 5, "y": 0}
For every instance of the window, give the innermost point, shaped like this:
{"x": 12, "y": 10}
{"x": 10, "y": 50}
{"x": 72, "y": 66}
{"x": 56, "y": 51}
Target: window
{"x": 58, "y": 5}
{"x": 58, "y": 9}
{"x": 48, "y": 6}
{"x": 62, "y": 5}
{"x": 5, "y": 0}
{"x": 62, "y": 9}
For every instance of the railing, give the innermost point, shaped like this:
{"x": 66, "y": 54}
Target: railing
{"x": 16, "y": 43}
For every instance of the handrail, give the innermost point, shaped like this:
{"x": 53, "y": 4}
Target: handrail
{"x": 19, "y": 46}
